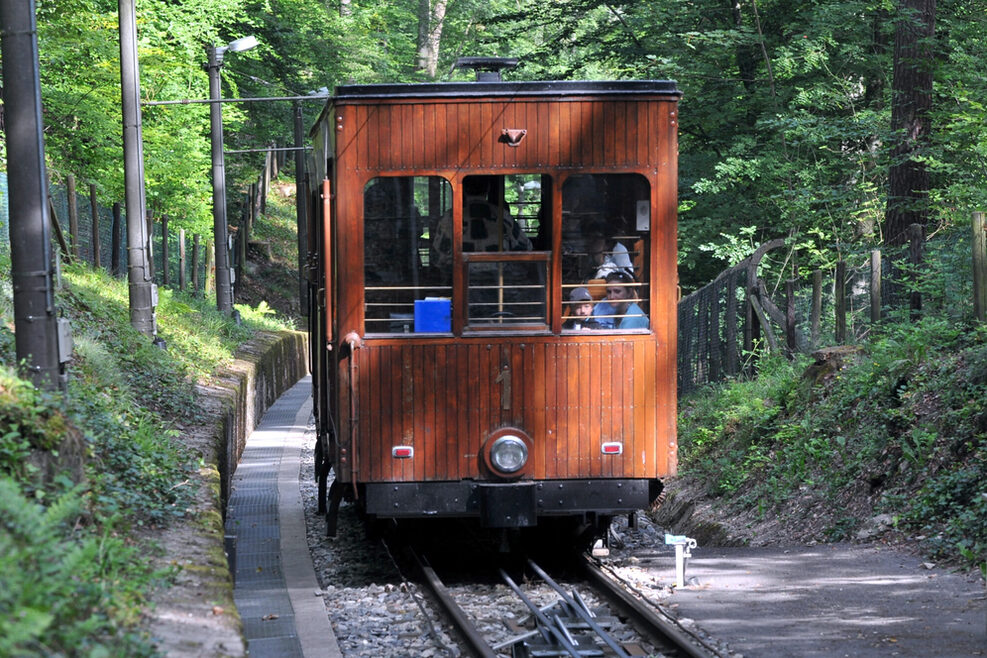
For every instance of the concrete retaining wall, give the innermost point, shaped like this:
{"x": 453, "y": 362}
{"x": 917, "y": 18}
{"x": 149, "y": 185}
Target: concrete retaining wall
{"x": 265, "y": 367}
{"x": 195, "y": 616}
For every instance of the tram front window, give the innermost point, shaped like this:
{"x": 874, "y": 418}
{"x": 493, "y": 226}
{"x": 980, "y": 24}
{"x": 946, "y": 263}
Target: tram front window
{"x": 400, "y": 219}
{"x": 505, "y": 224}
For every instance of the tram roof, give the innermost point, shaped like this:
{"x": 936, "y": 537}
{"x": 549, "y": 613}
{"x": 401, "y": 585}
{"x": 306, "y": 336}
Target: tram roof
{"x": 507, "y": 89}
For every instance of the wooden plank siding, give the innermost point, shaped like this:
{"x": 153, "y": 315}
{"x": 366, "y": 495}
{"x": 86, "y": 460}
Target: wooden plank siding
{"x": 569, "y": 393}
{"x": 410, "y": 137}
{"x": 444, "y": 400}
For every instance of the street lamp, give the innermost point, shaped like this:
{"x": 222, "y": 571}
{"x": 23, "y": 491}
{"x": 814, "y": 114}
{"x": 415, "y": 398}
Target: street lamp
{"x": 224, "y": 289}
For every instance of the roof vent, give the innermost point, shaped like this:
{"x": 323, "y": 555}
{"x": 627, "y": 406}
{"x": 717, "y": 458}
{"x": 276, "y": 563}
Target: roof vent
{"x": 487, "y": 68}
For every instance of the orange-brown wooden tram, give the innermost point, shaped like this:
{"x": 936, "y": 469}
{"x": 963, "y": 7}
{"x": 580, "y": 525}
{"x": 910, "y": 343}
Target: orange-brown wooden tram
{"x": 450, "y": 225}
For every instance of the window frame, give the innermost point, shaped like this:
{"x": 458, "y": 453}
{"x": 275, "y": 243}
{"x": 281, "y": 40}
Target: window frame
{"x": 556, "y": 290}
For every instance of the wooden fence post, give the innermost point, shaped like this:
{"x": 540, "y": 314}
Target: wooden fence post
{"x": 980, "y": 266}
{"x": 254, "y": 202}
{"x": 115, "y": 240}
{"x": 715, "y": 344}
{"x": 150, "y": 246}
{"x": 210, "y": 282}
{"x": 63, "y": 245}
{"x": 248, "y": 213}
{"x": 165, "y": 256}
{"x": 73, "y": 218}
{"x": 195, "y": 264}
{"x": 790, "y": 316}
{"x": 730, "y": 326}
{"x": 916, "y": 253}
{"x": 816, "y": 315}
{"x": 875, "y": 286}
{"x": 94, "y": 239}
{"x": 702, "y": 342}
{"x": 265, "y": 182}
{"x": 751, "y": 330}
{"x": 839, "y": 292}
{"x": 181, "y": 260}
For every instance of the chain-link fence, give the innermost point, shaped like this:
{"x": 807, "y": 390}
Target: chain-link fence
{"x": 111, "y": 230}
{"x": 113, "y": 219}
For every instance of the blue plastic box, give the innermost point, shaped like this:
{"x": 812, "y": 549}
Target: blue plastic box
{"x": 433, "y": 315}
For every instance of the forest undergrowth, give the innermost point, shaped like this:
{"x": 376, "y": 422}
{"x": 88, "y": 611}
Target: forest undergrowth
{"x": 88, "y": 476}
{"x": 887, "y": 442}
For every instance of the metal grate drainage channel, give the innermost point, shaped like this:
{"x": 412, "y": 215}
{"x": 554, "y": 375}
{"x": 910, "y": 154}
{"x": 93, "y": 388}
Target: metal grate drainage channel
{"x": 275, "y": 589}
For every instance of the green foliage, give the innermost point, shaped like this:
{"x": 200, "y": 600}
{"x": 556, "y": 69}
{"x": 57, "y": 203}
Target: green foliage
{"x": 80, "y": 473}
{"x": 67, "y": 589}
{"x": 903, "y": 429}
{"x": 27, "y": 423}
{"x": 70, "y": 580}
{"x": 784, "y": 121}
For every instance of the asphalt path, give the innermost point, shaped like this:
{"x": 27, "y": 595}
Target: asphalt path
{"x": 833, "y": 600}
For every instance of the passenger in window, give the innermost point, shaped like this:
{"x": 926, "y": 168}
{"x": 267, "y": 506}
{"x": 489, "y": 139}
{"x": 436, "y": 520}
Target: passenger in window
{"x": 482, "y": 231}
{"x": 619, "y": 311}
{"x": 581, "y": 310}
{"x": 608, "y": 260}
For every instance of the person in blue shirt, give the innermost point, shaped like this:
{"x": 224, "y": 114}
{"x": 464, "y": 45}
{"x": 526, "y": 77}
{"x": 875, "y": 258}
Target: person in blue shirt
{"x": 619, "y": 311}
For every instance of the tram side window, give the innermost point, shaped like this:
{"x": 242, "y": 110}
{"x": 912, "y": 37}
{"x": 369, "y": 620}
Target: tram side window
{"x": 400, "y": 219}
{"x": 605, "y": 235}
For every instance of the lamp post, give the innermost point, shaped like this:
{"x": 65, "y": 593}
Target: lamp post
{"x": 224, "y": 289}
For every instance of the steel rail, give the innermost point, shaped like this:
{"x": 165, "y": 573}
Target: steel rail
{"x": 643, "y": 616}
{"x": 477, "y": 645}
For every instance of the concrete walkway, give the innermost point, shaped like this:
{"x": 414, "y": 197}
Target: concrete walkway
{"x": 275, "y": 588}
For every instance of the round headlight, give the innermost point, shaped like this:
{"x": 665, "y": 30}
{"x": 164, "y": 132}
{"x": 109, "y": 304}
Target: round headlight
{"x": 508, "y": 454}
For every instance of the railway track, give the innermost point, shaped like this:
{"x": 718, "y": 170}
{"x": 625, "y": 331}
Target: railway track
{"x": 567, "y": 625}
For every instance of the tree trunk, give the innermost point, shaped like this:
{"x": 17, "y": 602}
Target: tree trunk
{"x": 748, "y": 58}
{"x": 908, "y": 177}
{"x": 431, "y": 17}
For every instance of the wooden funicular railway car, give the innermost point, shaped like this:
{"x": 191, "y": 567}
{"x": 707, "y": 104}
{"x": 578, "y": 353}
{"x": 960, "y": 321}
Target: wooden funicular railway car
{"x": 455, "y": 230}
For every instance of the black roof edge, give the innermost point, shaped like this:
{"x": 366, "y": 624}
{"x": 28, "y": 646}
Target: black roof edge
{"x": 550, "y": 88}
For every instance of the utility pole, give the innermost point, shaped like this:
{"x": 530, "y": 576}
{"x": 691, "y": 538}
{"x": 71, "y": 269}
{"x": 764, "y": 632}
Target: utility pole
{"x": 42, "y": 340}
{"x": 143, "y": 292}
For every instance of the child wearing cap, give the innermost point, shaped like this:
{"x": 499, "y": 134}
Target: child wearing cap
{"x": 581, "y": 307}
